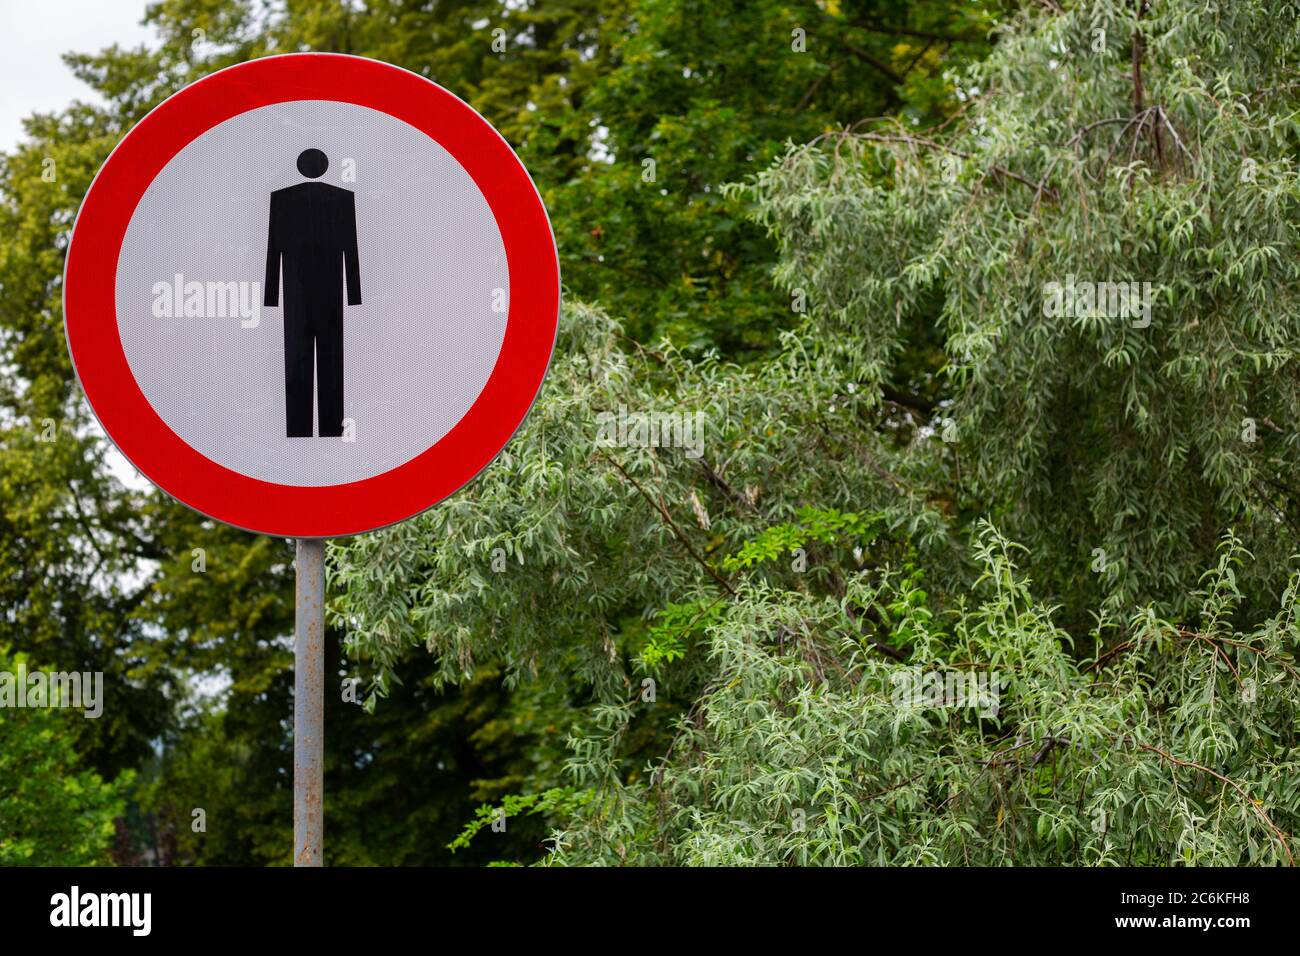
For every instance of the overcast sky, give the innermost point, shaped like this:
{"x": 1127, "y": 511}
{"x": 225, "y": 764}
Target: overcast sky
{"x": 33, "y": 36}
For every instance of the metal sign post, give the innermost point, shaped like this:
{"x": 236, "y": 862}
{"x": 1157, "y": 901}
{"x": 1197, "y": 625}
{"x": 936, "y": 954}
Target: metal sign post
{"x": 309, "y": 704}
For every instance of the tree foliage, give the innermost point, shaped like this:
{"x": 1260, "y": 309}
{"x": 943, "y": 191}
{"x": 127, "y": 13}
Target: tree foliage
{"x": 1174, "y": 745}
{"x": 1148, "y": 711}
{"x": 54, "y": 810}
{"x": 1116, "y": 142}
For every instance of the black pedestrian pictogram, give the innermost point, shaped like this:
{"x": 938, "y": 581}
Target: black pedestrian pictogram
{"x": 313, "y": 239}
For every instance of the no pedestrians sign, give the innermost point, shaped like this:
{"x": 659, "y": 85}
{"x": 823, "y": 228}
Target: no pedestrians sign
{"x": 312, "y": 295}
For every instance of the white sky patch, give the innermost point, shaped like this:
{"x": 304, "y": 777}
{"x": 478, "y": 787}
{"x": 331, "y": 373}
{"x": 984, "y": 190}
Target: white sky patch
{"x": 600, "y": 151}
{"x": 33, "y": 39}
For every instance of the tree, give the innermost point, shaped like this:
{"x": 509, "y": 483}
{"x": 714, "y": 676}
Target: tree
{"x": 1103, "y": 245}
{"x": 72, "y": 539}
{"x": 810, "y": 560}
{"x": 54, "y": 811}
{"x": 700, "y": 94}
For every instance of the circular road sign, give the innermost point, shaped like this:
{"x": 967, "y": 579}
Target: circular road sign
{"x": 311, "y": 295}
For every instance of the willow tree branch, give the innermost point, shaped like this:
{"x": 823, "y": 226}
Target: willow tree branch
{"x": 668, "y": 520}
{"x": 1281, "y": 835}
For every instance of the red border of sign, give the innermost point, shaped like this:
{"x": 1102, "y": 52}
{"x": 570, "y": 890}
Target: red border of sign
{"x": 332, "y": 510}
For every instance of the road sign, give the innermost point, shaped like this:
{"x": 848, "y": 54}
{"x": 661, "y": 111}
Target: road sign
{"x": 311, "y": 295}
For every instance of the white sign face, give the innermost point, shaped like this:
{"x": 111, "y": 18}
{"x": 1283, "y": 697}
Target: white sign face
{"x": 312, "y": 294}
{"x": 417, "y": 350}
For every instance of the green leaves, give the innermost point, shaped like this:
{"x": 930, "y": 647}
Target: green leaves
{"x": 820, "y": 525}
{"x": 674, "y": 627}
{"x": 562, "y": 801}
{"x": 809, "y": 747}
{"x": 1093, "y": 429}
{"x": 54, "y": 811}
